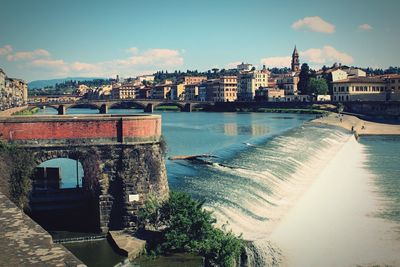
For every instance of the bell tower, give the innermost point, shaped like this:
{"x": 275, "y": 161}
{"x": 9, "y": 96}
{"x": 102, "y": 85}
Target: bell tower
{"x": 295, "y": 60}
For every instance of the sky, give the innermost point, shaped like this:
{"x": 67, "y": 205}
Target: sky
{"x": 45, "y": 39}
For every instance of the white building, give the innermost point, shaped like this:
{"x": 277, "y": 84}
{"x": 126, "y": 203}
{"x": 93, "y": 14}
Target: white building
{"x": 244, "y": 67}
{"x": 249, "y": 81}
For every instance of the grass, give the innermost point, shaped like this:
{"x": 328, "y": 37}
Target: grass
{"x": 168, "y": 108}
{"x": 27, "y": 112}
{"x": 294, "y": 110}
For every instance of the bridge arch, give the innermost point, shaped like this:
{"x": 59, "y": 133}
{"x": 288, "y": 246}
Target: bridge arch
{"x": 43, "y": 106}
{"x": 181, "y": 106}
{"x": 128, "y": 104}
{"x": 83, "y": 105}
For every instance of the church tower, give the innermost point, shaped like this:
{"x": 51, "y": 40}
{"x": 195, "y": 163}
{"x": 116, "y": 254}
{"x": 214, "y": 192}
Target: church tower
{"x": 295, "y": 60}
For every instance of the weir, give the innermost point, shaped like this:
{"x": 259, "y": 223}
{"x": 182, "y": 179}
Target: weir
{"x": 121, "y": 158}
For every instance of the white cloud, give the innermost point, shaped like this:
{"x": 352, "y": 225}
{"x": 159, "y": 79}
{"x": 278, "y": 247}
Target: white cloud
{"x": 40, "y": 62}
{"x": 28, "y": 55}
{"x": 315, "y": 24}
{"x": 315, "y": 57}
{"x": 325, "y": 55}
{"x": 5, "y": 50}
{"x": 132, "y": 50}
{"x": 279, "y": 62}
{"x": 365, "y": 27}
{"x": 233, "y": 65}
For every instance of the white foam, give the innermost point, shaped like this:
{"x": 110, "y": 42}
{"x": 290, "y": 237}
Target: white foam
{"x": 332, "y": 225}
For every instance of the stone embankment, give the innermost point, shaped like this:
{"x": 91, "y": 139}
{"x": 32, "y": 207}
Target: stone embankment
{"x": 359, "y": 126}
{"x": 9, "y": 112}
{"x": 127, "y": 243}
{"x": 24, "y": 243}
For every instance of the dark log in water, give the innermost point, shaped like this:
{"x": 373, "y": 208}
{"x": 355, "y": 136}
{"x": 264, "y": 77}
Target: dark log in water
{"x": 193, "y": 157}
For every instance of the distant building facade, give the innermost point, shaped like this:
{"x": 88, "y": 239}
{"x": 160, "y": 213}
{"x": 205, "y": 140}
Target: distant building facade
{"x": 194, "y": 79}
{"x": 360, "y": 89}
{"x": 13, "y": 92}
{"x": 249, "y": 81}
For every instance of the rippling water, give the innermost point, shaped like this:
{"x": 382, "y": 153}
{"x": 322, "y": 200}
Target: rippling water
{"x": 262, "y": 162}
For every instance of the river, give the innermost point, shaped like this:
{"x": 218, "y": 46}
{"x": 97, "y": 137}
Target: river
{"x": 263, "y": 162}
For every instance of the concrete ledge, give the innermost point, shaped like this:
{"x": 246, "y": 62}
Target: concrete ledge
{"x": 127, "y": 244}
{"x": 24, "y": 243}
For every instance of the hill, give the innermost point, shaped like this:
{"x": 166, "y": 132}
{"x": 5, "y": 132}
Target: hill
{"x": 52, "y": 82}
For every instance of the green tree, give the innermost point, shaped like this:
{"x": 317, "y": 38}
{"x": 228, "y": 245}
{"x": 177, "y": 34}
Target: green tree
{"x": 16, "y": 173}
{"x": 318, "y": 86}
{"x": 187, "y": 227}
{"x": 304, "y": 79}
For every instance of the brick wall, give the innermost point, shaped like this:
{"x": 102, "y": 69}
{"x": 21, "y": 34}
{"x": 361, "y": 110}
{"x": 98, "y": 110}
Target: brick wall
{"x": 94, "y": 127}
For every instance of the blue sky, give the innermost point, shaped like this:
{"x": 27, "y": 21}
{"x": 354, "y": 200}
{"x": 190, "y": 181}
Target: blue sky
{"x": 49, "y": 39}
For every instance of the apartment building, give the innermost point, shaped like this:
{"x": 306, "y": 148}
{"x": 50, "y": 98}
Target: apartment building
{"x": 360, "y": 89}
{"x": 249, "y": 81}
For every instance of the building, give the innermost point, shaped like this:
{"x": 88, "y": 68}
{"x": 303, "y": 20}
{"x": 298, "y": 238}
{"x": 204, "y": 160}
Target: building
{"x": 177, "y": 91}
{"x": 14, "y": 92}
{"x": 354, "y": 72}
{"x": 123, "y": 91}
{"x": 194, "y": 79}
{"x": 393, "y": 86}
{"x": 223, "y": 89}
{"x": 244, "y": 67}
{"x": 192, "y": 92}
{"x": 249, "y": 81}
{"x": 289, "y": 82}
{"x": 161, "y": 91}
{"x": 295, "y": 60}
{"x": 360, "y": 89}
{"x": 147, "y": 78}
{"x": 143, "y": 93}
{"x": 227, "y": 89}
{"x": 270, "y": 94}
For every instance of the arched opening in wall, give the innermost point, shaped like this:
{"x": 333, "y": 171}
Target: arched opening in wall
{"x": 126, "y": 107}
{"x": 58, "y": 201}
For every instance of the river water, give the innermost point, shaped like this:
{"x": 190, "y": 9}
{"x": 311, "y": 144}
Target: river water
{"x": 262, "y": 162}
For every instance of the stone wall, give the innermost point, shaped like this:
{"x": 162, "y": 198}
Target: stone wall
{"x": 24, "y": 243}
{"x": 112, "y": 173}
{"x": 121, "y": 158}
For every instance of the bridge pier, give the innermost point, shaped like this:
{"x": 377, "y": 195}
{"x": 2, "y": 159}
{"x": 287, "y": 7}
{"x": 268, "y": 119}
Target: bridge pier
{"x": 103, "y": 109}
{"x": 149, "y": 108}
{"x": 61, "y": 110}
{"x": 187, "y": 107}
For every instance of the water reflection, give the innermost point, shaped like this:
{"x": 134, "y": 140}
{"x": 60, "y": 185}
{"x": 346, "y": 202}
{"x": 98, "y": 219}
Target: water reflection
{"x": 234, "y": 129}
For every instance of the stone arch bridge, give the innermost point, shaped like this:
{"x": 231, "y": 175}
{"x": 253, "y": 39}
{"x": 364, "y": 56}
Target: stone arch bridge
{"x": 122, "y": 157}
{"x": 103, "y": 105}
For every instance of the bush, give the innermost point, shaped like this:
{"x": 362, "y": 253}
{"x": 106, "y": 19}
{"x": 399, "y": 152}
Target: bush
{"x": 186, "y": 227}
{"x": 16, "y": 172}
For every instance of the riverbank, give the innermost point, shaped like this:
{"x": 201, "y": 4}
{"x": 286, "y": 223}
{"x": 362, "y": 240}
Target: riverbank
{"x": 9, "y": 112}
{"x": 361, "y": 127}
{"x": 332, "y": 223}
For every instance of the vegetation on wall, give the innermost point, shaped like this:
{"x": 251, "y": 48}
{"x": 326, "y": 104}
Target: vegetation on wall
{"x": 186, "y": 227}
{"x": 26, "y": 112}
{"x": 16, "y": 170}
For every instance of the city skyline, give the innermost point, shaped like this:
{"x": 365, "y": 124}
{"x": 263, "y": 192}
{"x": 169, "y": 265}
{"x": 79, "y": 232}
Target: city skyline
{"x": 44, "y": 39}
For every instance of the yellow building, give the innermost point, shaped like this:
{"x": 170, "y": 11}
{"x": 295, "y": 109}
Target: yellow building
{"x": 177, "y": 91}
{"x": 194, "y": 79}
